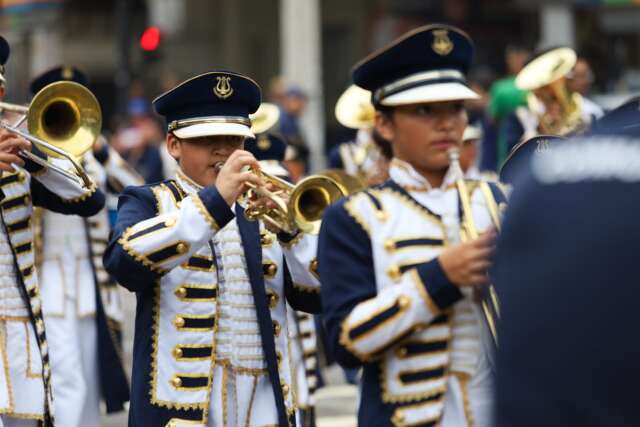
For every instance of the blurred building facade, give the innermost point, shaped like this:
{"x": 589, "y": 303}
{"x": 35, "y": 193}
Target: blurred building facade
{"x": 313, "y": 43}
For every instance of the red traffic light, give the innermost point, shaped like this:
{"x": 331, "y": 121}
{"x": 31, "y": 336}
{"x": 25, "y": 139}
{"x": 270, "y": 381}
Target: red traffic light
{"x": 150, "y": 39}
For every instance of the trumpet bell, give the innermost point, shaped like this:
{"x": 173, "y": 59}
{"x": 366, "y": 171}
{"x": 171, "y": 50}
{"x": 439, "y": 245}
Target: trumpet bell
{"x": 67, "y": 115}
{"x": 314, "y": 194}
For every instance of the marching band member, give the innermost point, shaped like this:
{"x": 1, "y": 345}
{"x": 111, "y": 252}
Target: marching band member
{"x": 81, "y": 304}
{"x": 397, "y": 286}
{"x": 25, "y": 396}
{"x": 212, "y": 338}
{"x": 366, "y": 157}
{"x": 553, "y": 109}
{"x": 270, "y": 150}
{"x": 579, "y": 263}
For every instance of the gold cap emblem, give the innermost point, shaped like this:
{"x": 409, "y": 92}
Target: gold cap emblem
{"x": 264, "y": 143}
{"x": 223, "y": 88}
{"x": 442, "y": 44}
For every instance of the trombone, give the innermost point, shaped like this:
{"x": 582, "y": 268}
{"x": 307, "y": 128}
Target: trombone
{"x": 307, "y": 200}
{"x": 64, "y": 121}
{"x": 489, "y": 303}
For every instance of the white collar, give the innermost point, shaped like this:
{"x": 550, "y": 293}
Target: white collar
{"x": 407, "y": 177}
{"x": 187, "y": 184}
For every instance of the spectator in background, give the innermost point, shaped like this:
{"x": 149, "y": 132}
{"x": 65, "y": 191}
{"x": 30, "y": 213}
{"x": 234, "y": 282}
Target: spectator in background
{"x": 292, "y": 107}
{"x": 138, "y": 141}
{"x": 505, "y": 98}
{"x": 580, "y": 81}
{"x": 277, "y": 90}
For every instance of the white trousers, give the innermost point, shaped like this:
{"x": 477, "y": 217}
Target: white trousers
{"x": 7, "y": 421}
{"x": 74, "y": 368}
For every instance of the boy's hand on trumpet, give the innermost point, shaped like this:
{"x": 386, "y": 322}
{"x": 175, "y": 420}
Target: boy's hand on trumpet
{"x": 10, "y": 145}
{"x": 235, "y": 174}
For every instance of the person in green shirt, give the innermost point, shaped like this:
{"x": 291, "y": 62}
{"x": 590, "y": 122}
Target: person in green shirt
{"x": 506, "y": 97}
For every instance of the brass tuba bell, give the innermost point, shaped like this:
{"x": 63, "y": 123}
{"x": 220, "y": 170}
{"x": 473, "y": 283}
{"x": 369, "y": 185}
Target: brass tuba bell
{"x": 559, "y": 110}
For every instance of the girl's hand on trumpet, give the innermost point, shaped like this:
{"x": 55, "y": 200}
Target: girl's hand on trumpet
{"x": 10, "y": 146}
{"x": 468, "y": 263}
{"x": 235, "y": 174}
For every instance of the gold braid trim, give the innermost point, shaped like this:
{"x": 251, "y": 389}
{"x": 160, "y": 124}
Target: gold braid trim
{"x": 251, "y": 399}
{"x": 463, "y": 379}
{"x": 153, "y": 382}
{"x": 204, "y": 212}
{"x": 352, "y": 210}
{"x": 422, "y": 290}
{"x": 306, "y": 288}
{"x": 84, "y": 196}
{"x": 124, "y": 242}
{"x": 388, "y": 397}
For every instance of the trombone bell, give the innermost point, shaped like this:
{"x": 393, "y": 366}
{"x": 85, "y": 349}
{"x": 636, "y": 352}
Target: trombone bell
{"x": 66, "y": 115}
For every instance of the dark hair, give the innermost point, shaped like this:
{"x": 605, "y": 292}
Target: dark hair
{"x": 382, "y": 144}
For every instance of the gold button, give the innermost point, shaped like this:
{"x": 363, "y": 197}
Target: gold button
{"x": 394, "y": 272}
{"x": 272, "y": 297}
{"x": 271, "y": 270}
{"x": 21, "y": 176}
{"x": 276, "y": 328}
{"x": 181, "y": 292}
{"x": 266, "y": 239}
{"x": 314, "y": 266}
{"x": 176, "y": 382}
{"x": 181, "y": 248}
{"x": 285, "y": 390}
{"x": 390, "y": 245}
{"x": 170, "y": 222}
{"x": 177, "y": 353}
{"x": 178, "y": 322}
{"x": 279, "y": 357}
{"x": 401, "y": 352}
{"x": 403, "y": 302}
{"x": 39, "y": 324}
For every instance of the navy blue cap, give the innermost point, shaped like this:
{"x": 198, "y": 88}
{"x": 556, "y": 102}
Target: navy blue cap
{"x": 519, "y": 159}
{"x": 60, "y": 73}
{"x": 622, "y": 121}
{"x": 5, "y": 50}
{"x": 213, "y": 103}
{"x": 270, "y": 150}
{"x": 267, "y": 146}
{"x": 427, "y": 64}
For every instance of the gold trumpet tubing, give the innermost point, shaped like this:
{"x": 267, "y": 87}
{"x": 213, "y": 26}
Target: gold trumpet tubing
{"x": 469, "y": 231}
{"x": 81, "y": 177}
{"x": 490, "y": 321}
{"x": 277, "y": 216}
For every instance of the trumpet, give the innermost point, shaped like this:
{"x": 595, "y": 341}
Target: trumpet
{"x": 489, "y": 303}
{"x": 306, "y": 202}
{"x": 64, "y": 121}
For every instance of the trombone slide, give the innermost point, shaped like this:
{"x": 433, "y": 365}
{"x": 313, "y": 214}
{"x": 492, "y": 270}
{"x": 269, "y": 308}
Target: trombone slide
{"x": 81, "y": 177}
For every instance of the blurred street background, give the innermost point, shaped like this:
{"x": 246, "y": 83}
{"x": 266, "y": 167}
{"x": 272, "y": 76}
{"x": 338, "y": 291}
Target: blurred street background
{"x": 301, "y": 53}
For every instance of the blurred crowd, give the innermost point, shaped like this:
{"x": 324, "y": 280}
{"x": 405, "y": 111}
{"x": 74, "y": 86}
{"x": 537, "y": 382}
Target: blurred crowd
{"x": 139, "y": 136}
